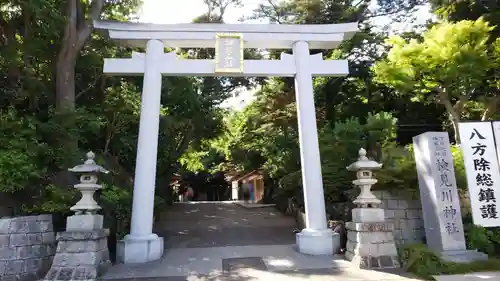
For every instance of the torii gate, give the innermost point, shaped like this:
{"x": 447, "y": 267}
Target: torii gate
{"x": 229, "y": 40}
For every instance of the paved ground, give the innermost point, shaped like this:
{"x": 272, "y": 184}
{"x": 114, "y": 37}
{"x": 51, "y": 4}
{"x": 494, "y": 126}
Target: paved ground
{"x": 216, "y": 225}
{"x": 242, "y": 263}
{"x": 477, "y": 276}
{"x": 225, "y": 241}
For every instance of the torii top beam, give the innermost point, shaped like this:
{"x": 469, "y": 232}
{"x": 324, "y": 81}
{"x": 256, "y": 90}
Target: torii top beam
{"x": 202, "y": 35}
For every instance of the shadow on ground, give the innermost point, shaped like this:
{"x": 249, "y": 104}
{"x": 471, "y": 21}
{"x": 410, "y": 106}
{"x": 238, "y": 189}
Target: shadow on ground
{"x": 250, "y": 274}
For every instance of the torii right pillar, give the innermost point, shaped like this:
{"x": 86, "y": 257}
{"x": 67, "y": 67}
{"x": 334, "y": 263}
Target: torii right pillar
{"x": 316, "y": 238}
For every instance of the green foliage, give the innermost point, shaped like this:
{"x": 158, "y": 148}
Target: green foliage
{"x": 451, "y": 57}
{"x": 19, "y": 147}
{"x": 399, "y": 170}
{"x": 117, "y": 200}
{"x": 338, "y": 148}
{"x": 457, "y": 10}
{"x": 486, "y": 240}
{"x": 452, "y": 65}
{"x": 424, "y": 263}
{"x": 33, "y": 164}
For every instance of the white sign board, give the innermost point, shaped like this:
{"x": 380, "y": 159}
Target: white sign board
{"x": 483, "y": 174}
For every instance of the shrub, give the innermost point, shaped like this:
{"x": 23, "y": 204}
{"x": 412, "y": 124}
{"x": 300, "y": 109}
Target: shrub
{"x": 486, "y": 240}
{"x": 339, "y": 147}
{"x": 424, "y": 263}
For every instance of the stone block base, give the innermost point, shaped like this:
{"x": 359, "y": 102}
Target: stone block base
{"x": 84, "y": 222}
{"x": 371, "y": 245}
{"x": 139, "y": 249}
{"x": 317, "y": 242}
{"x": 80, "y": 273}
{"x": 80, "y": 255}
{"x": 373, "y": 262}
{"x": 463, "y": 256}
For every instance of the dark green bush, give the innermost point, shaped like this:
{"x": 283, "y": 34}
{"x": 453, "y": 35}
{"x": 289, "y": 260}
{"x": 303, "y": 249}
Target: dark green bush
{"x": 486, "y": 240}
{"x": 424, "y": 263}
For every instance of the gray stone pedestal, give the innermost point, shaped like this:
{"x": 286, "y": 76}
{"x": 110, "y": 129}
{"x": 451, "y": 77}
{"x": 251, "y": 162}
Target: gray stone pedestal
{"x": 464, "y": 256}
{"x": 80, "y": 255}
{"x": 371, "y": 245}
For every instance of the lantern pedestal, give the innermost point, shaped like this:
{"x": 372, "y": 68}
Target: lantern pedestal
{"x": 84, "y": 222}
{"x": 81, "y": 255}
{"x": 371, "y": 245}
{"x": 367, "y": 215}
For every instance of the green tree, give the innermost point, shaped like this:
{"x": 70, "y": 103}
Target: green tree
{"x": 457, "y": 10}
{"x": 448, "y": 66}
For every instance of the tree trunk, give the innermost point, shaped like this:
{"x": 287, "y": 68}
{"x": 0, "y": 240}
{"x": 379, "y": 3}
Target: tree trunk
{"x": 65, "y": 83}
{"x": 76, "y": 33}
{"x": 454, "y": 111}
{"x": 455, "y": 122}
{"x": 491, "y": 108}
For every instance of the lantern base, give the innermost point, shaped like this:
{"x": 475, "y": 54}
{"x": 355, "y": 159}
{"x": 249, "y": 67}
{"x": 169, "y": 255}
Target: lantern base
{"x": 371, "y": 245}
{"x": 317, "y": 242}
{"x": 81, "y": 255}
{"x": 139, "y": 249}
{"x": 84, "y": 222}
{"x": 368, "y": 215}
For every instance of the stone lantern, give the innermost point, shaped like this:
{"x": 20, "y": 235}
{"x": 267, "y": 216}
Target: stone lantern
{"x": 370, "y": 241}
{"x": 82, "y": 250}
{"x": 364, "y": 171}
{"x": 88, "y": 172}
{"x": 86, "y": 217}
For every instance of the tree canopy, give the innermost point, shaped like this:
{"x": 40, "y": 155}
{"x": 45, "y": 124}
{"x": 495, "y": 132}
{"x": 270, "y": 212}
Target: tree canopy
{"x": 450, "y": 65}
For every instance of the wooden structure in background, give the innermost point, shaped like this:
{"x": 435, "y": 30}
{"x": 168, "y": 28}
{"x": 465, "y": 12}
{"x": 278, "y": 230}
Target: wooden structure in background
{"x": 256, "y": 178}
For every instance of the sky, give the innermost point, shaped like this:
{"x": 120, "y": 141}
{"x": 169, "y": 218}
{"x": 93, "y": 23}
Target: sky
{"x": 184, "y": 11}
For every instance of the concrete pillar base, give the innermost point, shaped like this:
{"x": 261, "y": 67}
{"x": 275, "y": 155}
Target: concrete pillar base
{"x": 133, "y": 249}
{"x": 317, "y": 242}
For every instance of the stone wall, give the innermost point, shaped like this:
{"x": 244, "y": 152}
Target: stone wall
{"x": 405, "y": 214}
{"x": 27, "y": 247}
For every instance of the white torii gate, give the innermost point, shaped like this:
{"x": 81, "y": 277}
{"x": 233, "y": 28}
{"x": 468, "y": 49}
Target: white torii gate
{"x": 142, "y": 245}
